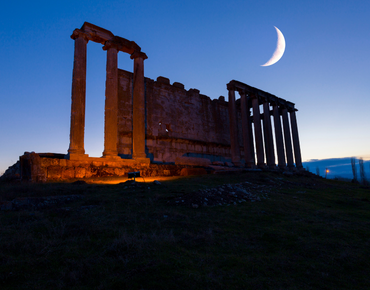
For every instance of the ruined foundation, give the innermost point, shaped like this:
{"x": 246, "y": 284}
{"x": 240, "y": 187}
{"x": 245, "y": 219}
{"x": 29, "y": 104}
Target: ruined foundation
{"x": 42, "y": 167}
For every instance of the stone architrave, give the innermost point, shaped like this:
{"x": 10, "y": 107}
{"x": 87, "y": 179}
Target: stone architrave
{"x": 234, "y": 143}
{"x": 287, "y": 139}
{"x": 247, "y": 130}
{"x": 111, "y": 102}
{"x": 258, "y": 132}
{"x": 269, "y": 142}
{"x": 296, "y": 146}
{"x": 279, "y": 137}
{"x": 138, "y": 134}
{"x": 76, "y": 147}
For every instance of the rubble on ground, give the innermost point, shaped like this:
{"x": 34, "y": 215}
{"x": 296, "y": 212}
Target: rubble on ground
{"x": 227, "y": 194}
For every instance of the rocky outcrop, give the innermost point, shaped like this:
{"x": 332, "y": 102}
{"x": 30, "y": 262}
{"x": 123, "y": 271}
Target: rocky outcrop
{"x": 12, "y": 173}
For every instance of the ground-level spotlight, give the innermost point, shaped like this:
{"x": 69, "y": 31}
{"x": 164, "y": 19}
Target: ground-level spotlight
{"x": 326, "y": 172}
{"x": 134, "y": 174}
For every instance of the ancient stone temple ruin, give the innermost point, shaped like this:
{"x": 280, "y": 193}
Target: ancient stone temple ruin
{"x": 161, "y": 128}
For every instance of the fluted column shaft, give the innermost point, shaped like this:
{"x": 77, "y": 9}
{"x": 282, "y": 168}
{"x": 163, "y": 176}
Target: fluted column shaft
{"x": 247, "y": 131}
{"x": 279, "y": 137}
{"x": 77, "y": 132}
{"x": 287, "y": 139}
{"x": 234, "y": 143}
{"x": 296, "y": 146}
{"x": 269, "y": 142}
{"x": 111, "y": 102}
{"x": 258, "y": 132}
{"x": 138, "y": 134}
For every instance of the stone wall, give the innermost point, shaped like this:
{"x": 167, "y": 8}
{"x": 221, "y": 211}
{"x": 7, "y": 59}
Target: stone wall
{"x": 41, "y": 167}
{"x": 179, "y": 122}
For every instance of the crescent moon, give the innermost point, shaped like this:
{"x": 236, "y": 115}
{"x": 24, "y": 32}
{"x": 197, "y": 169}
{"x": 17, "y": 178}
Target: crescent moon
{"x": 279, "y": 51}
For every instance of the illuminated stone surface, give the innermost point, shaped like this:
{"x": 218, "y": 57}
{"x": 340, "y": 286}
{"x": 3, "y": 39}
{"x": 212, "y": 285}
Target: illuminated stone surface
{"x": 153, "y": 121}
{"x": 76, "y": 146}
{"x": 138, "y": 131}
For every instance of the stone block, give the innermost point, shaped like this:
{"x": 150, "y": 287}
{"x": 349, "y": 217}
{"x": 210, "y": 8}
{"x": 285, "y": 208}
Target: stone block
{"x": 37, "y": 172}
{"x": 107, "y": 171}
{"x": 80, "y": 172}
{"x": 192, "y": 171}
{"x": 97, "y": 163}
{"x": 88, "y": 172}
{"x": 68, "y": 173}
{"x": 54, "y": 172}
{"x": 194, "y": 92}
{"x": 46, "y": 162}
{"x": 178, "y": 85}
{"x": 198, "y": 148}
{"x": 194, "y": 161}
{"x": 163, "y": 80}
{"x": 78, "y": 156}
{"x": 119, "y": 171}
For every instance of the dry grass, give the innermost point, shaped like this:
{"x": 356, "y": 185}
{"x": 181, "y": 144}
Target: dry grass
{"x": 309, "y": 234}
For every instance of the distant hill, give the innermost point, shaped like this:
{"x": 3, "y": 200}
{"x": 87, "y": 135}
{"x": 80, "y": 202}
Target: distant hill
{"x": 338, "y": 167}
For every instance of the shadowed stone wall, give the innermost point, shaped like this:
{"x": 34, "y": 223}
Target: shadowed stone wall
{"x": 179, "y": 122}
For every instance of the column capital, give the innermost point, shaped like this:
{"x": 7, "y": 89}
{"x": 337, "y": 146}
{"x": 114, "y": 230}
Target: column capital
{"x": 242, "y": 92}
{"x": 138, "y": 54}
{"x": 79, "y": 33}
{"x": 274, "y": 103}
{"x": 110, "y": 44}
{"x": 230, "y": 87}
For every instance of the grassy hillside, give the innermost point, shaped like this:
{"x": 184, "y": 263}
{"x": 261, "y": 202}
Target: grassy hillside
{"x": 290, "y": 232}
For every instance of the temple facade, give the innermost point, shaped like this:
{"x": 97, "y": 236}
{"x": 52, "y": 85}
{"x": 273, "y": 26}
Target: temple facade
{"x": 161, "y": 128}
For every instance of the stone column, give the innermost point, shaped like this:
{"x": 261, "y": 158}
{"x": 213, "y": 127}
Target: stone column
{"x": 76, "y": 146}
{"x": 111, "y": 102}
{"x": 234, "y": 144}
{"x": 269, "y": 142}
{"x": 287, "y": 138}
{"x": 138, "y": 134}
{"x": 258, "y": 132}
{"x": 297, "y": 148}
{"x": 247, "y": 131}
{"x": 279, "y": 137}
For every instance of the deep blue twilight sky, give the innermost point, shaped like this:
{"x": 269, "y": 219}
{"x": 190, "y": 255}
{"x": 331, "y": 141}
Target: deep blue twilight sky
{"x": 203, "y": 44}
